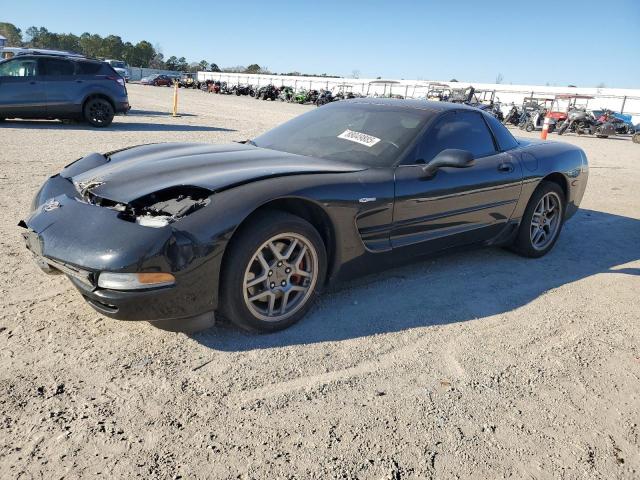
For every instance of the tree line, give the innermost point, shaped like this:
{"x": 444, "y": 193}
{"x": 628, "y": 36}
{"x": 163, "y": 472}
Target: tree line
{"x": 141, "y": 54}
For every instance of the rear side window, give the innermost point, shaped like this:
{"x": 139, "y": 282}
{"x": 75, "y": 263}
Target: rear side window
{"x": 55, "y": 67}
{"x": 24, "y": 67}
{"x": 503, "y": 136}
{"x": 461, "y": 130}
{"x": 88, "y": 68}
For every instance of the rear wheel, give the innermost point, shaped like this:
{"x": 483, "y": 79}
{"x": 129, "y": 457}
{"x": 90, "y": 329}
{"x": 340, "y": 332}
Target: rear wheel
{"x": 98, "y": 112}
{"x": 275, "y": 269}
{"x": 542, "y": 221}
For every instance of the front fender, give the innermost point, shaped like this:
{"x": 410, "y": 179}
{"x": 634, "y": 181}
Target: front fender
{"x": 359, "y": 227}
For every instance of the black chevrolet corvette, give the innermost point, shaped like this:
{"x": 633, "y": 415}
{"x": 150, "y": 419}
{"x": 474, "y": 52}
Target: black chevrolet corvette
{"x": 253, "y": 231}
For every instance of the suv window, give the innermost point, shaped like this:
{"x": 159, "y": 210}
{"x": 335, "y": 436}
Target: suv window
{"x": 57, "y": 67}
{"x": 19, "y": 67}
{"x": 460, "y": 129}
{"x": 88, "y": 68}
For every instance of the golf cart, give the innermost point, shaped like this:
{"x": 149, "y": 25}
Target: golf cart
{"x": 534, "y": 111}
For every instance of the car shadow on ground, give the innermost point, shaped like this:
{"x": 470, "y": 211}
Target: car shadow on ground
{"x": 115, "y": 126}
{"x": 155, "y": 113}
{"x": 452, "y": 288}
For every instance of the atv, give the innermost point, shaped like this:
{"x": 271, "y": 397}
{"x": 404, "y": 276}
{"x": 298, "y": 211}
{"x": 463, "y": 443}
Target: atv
{"x": 324, "y": 98}
{"x": 268, "y": 92}
{"x": 286, "y": 94}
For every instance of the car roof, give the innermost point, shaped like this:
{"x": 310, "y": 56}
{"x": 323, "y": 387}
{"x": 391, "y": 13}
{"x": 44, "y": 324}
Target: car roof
{"x": 56, "y": 56}
{"x": 433, "y": 106}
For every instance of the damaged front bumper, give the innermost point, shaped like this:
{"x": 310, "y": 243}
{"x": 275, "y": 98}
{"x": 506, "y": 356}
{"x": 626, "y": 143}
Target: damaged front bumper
{"x": 71, "y": 236}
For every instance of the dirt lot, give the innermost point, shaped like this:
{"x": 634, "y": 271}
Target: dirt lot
{"x": 479, "y": 365}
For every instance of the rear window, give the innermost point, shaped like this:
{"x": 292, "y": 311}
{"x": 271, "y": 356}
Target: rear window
{"x": 88, "y": 68}
{"x": 57, "y": 67}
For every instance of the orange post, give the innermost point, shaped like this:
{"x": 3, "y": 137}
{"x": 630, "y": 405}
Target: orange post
{"x": 545, "y": 128}
{"x": 175, "y": 100}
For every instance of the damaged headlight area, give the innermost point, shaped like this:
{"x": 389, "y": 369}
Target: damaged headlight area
{"x": 157, "y": 209}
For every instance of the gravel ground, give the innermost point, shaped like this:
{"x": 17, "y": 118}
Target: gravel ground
{"x": 475, "y": 365}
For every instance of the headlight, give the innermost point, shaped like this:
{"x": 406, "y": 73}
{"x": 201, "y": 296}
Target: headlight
{"x": 155, "y": 222}
{"x": 134, "y": 281}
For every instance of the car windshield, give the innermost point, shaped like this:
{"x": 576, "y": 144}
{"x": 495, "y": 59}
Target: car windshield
{"x": 374, "y": 135}
{"x": 116, "y": 64}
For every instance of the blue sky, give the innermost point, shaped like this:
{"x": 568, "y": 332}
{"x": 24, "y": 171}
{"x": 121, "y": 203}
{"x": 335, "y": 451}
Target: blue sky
{"x": 583, "y": 42}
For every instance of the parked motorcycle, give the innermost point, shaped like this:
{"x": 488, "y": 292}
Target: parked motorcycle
{"x": 226, "y": 89}
{"x": 512, "y": 117}
{"x": 622, "y": 126}
{"x": 583, "y": 122}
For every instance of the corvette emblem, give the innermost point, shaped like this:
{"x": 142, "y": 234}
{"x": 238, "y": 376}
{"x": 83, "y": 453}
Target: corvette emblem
{"x": 51, "y": 205}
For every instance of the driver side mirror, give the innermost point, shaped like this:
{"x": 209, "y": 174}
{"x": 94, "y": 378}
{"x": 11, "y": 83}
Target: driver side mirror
{"x": 450, "y": 157}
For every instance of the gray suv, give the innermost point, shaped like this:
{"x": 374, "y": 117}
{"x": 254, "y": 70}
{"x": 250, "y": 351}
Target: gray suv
{"x": 64, "y": 87}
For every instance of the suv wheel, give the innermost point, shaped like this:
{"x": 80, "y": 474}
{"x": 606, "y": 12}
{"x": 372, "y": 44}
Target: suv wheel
{"x": 98, "y": 112}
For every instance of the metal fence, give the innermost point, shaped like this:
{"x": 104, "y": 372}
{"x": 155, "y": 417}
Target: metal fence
{"x": 619, "y": 100}
{"x": 138, "y": 72}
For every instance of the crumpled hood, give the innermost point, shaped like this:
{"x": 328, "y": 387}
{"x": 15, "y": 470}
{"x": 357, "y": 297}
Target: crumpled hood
{"x": 132, "y": 173}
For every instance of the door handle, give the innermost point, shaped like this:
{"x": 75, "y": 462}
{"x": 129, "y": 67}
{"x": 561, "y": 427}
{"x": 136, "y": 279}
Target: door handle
{"x": 506, "y": 167}
{"x": 79, "y": 81}
{"x": 32, "y": 82}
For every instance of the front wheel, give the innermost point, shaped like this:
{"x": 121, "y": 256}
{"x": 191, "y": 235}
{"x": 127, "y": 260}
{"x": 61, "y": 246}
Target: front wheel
{"x": 98, "y": 112}
{"x": 542, "y": 221}
{"x": 563, "y": 128}
{"x": 273, "y": 272}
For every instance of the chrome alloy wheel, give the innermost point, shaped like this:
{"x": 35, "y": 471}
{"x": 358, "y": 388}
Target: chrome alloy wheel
{"x": 546, "y": 220}
{"x": 280, "y": 277}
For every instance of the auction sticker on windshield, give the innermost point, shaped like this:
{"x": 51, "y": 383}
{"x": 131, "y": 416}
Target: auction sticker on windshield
{"x": 361, "y": 138}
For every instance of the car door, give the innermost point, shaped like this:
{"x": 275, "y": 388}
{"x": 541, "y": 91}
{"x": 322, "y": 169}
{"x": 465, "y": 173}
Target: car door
{"x": 456, "y": 206}
{"x": 21, "y": 88}
{"x": 60, "y": 85}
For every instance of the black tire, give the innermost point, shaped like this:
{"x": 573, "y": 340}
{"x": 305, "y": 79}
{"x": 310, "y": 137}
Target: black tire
{"x": 244, "y": 246}
{"x": 98, "y": 112}
{"x": 529, "y": 127}
{"x": 636, "y": 138}
{"x": 563, "y": 128}
{"x": 523, "y": 244}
